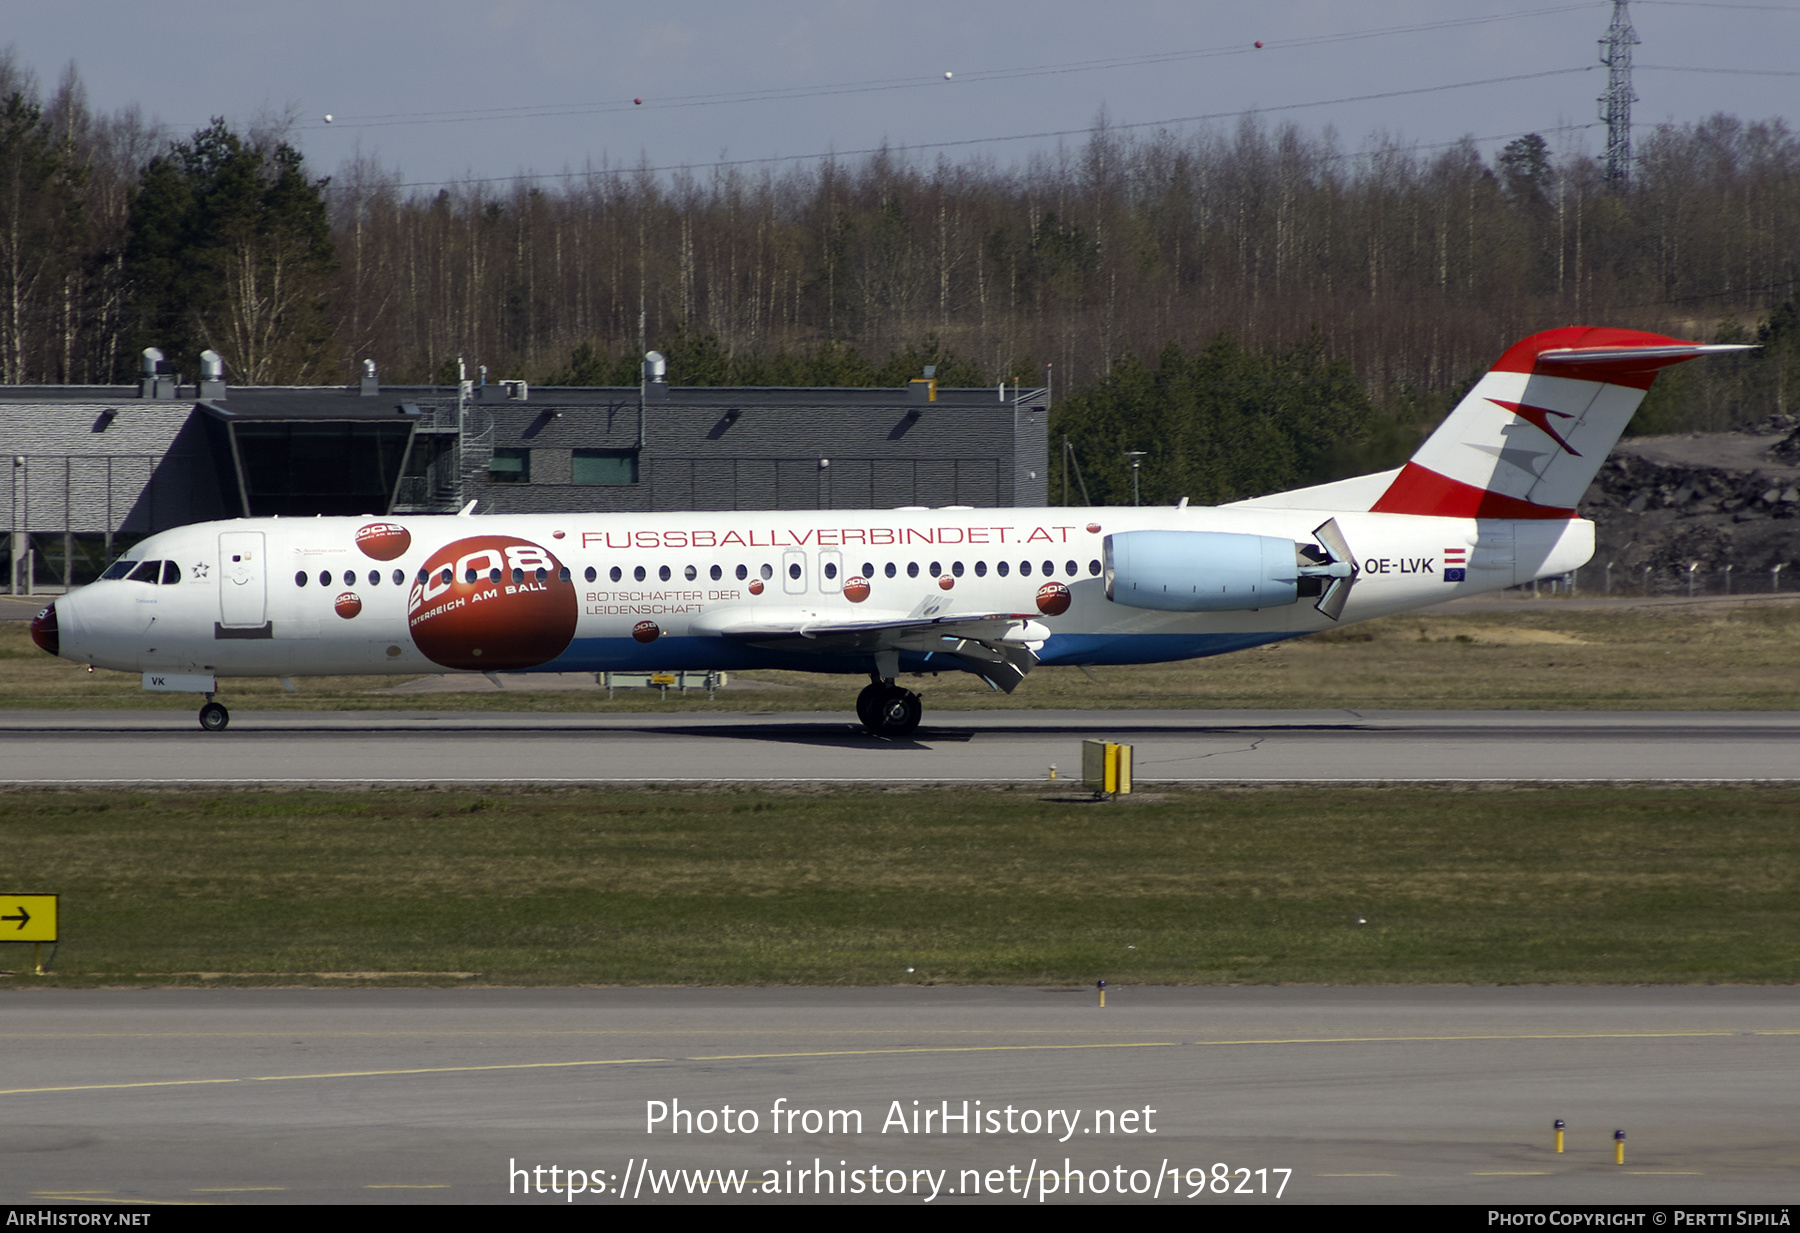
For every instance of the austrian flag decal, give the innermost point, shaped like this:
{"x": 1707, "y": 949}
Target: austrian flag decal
{"x": 1455, "y": 560}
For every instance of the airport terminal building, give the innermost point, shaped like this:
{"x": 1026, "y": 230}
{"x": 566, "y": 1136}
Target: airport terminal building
{"x": 92, "y": 469}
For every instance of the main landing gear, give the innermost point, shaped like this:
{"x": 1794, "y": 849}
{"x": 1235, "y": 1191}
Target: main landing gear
{"x": 214, "y": 716}
{"x": 887, "y": 710}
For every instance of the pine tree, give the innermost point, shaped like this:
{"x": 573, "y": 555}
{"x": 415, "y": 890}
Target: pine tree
{"x": 230, "y": 248}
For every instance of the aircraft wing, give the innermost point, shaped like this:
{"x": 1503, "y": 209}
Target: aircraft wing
{"x": 999, "y": 647}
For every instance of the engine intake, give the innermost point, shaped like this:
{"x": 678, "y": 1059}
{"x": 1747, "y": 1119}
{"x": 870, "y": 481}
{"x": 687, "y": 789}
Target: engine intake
{"x": 1214, "y": 571}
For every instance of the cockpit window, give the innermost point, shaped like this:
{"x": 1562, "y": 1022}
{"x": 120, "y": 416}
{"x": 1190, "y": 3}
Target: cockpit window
{"x": 118, "y": 569}
{"x": 171, "y": 573}
{"x": 149, "y": 571}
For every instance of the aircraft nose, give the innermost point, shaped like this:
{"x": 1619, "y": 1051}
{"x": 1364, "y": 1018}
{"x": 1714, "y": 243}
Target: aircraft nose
{"x": 43, "y": 630}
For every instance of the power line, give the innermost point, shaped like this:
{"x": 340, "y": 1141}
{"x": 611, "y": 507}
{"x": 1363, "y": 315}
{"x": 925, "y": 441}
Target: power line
{"x": 1712, "y": 4}
{"x": 789, "y": 93}
{"x": 1038, "y": 136}
{"x": 1741, "y": 72}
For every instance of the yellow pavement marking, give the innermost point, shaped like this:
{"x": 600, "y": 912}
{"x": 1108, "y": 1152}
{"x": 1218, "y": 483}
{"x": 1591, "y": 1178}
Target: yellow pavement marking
{"x": 1514, "y": 1173}
{"x": 1665, "y": 1172}
{"x": 824, "y": 1053}
{"x": 744, "y": 1057}
{"x": 447, "y": 1070}
{"x": 623, "y": 1061}
{"x": 409, "y": 1186}
{"x": 346, "y": 1074}
{"x": 1356, "y": 1175}
{"x": 660, "y": 1033}
{"x": 233, "y": 1189}
{"x": 1373, "y": 1040}
{"x": 511, "y": 1033}
{"x": 110, "y": 1087}
{"x": 100, "y": 1196}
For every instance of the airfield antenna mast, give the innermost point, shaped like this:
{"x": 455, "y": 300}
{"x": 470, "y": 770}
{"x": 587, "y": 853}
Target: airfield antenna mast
{"x": 1615, "y": 104}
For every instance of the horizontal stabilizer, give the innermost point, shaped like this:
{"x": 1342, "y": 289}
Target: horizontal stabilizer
{"x": 1528, "y": 439}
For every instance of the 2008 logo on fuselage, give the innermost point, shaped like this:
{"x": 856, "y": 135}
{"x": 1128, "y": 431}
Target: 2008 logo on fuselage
{"x": 492, "y": 603}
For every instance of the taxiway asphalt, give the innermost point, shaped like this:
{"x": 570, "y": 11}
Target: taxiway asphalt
{"x": 1366, "y": 1095}
{"x": 1171, "y": 747}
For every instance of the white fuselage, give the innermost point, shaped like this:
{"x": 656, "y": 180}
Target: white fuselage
{"x": 624, "y": 592}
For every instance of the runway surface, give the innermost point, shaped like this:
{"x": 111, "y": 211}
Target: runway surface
{"x": 1366, "y": 1095}
{"x": 1171, "y": 747}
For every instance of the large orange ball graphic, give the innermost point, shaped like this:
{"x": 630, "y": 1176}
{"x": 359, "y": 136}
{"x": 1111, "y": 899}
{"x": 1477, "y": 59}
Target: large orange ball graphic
{"x": 503, "y": 605}
{"x": 1053, "y": 599}
{"x": 385, "y": 541}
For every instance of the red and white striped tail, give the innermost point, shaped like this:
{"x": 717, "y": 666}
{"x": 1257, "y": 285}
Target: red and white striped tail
{"x": 1528, "y": 439}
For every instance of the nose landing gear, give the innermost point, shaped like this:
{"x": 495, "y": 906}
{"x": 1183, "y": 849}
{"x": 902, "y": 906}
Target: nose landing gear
{"x": 214, "y": 717}
{"x": 888, "y": 710}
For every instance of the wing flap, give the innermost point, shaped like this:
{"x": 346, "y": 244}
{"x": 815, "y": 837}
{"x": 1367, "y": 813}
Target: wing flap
{"x": 999, "y": 647}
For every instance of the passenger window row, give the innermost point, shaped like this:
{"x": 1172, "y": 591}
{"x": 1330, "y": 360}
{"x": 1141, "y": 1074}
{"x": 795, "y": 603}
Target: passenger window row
{"x": 664, "y": 574}
{"x": 399, "y": 576}
{"x": 171, "y": 573}
{"x": 325, "y": 577}
{"x": 1002, "y": 569}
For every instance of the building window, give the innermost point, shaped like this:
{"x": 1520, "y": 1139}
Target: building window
{"x": 605, "y": 467}
{"x": 510, "y": 467}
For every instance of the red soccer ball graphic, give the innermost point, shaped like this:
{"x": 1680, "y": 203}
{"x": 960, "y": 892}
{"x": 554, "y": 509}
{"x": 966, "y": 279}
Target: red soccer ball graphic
{"x": 1053, "y": 599}
{"x": 469, "y": 620}
{"x": 856, "y": 589}
{"x": 347, "y": 605}
{"x": 945, "y": 582}
{"x": 646, "y": 631}
{"x": 385, "y": 541}
{"x": 1093, "y": 528}
{"x": 756, "y": 586}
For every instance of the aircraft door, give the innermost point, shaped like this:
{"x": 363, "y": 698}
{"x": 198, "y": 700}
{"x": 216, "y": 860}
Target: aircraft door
{"x": 793, "y": 571}
{"x": 831, "y": 571}
{"x": 243, "y": 597}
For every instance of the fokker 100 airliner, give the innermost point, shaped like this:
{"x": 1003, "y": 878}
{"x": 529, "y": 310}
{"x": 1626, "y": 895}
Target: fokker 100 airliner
{"x": 1487, "y": 502}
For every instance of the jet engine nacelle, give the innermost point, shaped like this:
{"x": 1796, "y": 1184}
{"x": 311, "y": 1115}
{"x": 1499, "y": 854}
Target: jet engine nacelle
{"x": 1210, "y": 571}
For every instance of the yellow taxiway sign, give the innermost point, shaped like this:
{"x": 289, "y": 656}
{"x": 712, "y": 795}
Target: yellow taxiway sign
{"x": 27, "y": 918}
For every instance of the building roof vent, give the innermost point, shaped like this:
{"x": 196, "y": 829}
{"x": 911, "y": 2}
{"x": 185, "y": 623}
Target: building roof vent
{"x": 159, "y": 379}
{"x": 212, "y": 375}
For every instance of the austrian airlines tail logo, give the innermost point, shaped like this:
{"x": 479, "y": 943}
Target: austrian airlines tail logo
{"x": 1539, "y": 418}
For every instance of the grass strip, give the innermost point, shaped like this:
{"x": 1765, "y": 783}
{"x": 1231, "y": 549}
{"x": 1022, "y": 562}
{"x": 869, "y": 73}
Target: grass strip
{"x": 1607, "y": 885}
{"x": 1544, "y": 656}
